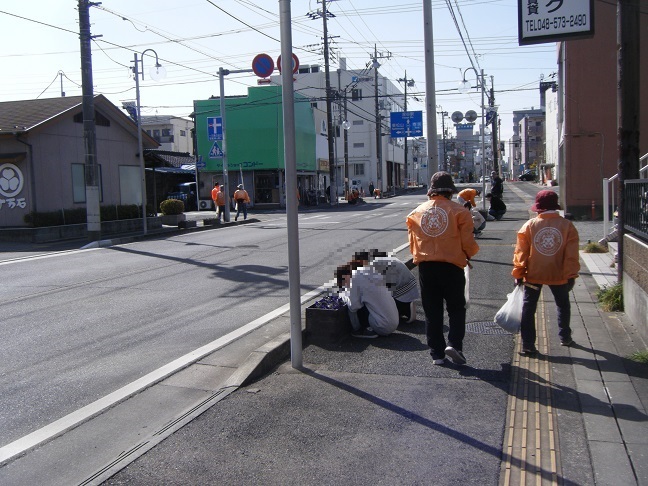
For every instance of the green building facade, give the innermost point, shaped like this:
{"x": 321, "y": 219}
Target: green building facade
{"x": 254, "y": 143}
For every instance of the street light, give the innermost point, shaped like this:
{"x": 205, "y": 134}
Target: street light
{"x": 157, "y": 72}
{"x": 464, "y": 86}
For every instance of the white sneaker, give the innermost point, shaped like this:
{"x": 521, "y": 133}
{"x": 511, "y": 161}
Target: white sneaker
{"x": 439, "y": 361}
{"x": 456, "y": 356}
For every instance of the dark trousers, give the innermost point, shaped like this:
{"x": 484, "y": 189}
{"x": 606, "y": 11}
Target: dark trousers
{"x": 443, "y": 282}
{"x": 241, "y": 206}
{"x": 531, "y": 296}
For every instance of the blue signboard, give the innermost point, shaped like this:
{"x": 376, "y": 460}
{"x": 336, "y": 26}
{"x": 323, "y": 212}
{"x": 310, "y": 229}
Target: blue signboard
{"x": 406, "y": 124}
{"x": 200, "y": 163}
{"x": 215, "y": 128}
{"x": 216, "y": 152}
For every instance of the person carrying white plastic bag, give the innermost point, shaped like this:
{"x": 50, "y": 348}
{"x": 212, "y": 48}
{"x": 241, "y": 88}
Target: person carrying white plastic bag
{"x": 509, "y": 317}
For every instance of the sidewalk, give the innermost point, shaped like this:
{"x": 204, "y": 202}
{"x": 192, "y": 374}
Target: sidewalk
{"x": 378, "y": 412}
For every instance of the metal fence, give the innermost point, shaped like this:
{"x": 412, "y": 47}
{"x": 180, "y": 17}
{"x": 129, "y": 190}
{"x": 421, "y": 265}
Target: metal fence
{"x": 636, "y": 207}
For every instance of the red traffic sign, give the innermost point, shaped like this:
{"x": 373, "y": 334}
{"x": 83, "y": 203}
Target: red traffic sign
{"x": 295, "y": 63}
{"x": 262, "y": 65}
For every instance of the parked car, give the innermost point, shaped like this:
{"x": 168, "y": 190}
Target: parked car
{"x": 528, "y": 175}
{"x": 185, "y": 192}
{"x": 484, "y": 179}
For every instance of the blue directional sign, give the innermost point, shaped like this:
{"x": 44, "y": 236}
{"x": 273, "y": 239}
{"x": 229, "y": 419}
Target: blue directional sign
{"x": 215, "y": 152}
{"x": 215, "y": 128}
{"x": 200, "y": 163}
{"x": 490, "y": 114}
{"x": 406, "y": 124}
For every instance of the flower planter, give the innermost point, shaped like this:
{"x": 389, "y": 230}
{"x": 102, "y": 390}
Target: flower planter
{"x": 327, "y": 326}
{"x": 172, "y": 219}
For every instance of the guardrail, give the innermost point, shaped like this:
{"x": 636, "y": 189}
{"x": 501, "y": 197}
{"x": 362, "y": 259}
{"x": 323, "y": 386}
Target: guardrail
{"x": 636, "y": 207}
{"x": 609, "y": 193}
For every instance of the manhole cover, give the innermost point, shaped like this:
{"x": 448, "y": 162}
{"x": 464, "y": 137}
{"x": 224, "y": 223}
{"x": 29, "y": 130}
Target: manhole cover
{"x": 484, "y": 327}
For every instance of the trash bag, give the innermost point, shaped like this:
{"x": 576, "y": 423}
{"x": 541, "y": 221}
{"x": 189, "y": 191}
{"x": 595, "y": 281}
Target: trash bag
{"x": 509, "y": 317}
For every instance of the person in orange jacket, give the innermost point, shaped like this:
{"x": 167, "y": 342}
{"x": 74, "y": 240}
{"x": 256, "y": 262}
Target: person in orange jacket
{"x": 441, "y": 242}
{"x": 214, "y": 195}
{"x": 546, "y": 253}
{"x": 468, "y": 195}
{"x": 242, "y": 199}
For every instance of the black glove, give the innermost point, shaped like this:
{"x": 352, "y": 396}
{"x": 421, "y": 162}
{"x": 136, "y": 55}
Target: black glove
{"x": 570, "y": 284}
{"x": 519, "y": 281}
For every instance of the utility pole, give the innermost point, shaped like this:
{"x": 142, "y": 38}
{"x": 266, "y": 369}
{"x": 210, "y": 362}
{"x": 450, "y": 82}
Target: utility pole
{"x": 329, "y": 116}
{"x": 430, "y": 94}
{"x": 491, "y": 103}
{"x": 627, "y": 107}
{"x": 376, "y": 65}
{"x": 445, "y": 152}
{"x": 407, "y": 82}
{"x": 89, "y": 129}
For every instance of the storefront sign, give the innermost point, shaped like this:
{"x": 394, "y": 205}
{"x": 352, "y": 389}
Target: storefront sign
{"x": 11, "y": 185}
{"x": 542, "y": 21}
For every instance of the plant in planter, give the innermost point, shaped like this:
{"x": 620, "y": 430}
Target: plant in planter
{"x": 172, "y": 212}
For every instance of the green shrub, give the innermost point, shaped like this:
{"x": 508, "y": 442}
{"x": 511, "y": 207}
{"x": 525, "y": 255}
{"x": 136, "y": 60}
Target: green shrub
{"x": 639, "y": 357}
{"x": 172, "y": 206}
{"x": 610, "y": 298}
{"x": 594, "y": 247}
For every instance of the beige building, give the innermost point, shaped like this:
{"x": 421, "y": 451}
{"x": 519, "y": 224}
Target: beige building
{"x": 42, "y": 157}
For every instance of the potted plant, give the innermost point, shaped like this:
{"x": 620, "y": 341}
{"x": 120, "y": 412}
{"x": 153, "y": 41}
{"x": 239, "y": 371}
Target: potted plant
{"x": 172, "y": 212}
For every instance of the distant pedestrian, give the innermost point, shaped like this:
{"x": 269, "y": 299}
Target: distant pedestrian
{"x": 214, "y": 195}
{"x": 497, "y": 185}
{"x": 546, "y": 253}
{"x": 242, "y": 199}
{"x": 372, "y": 309}
{"x": 221, "y": 200}
{"x": 442, "y": 242}
{"x": 371, "y": 188}
{"x": 497, "y": 207}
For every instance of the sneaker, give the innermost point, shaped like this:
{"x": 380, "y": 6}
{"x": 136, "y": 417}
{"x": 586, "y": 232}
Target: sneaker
{"x": 367, "y": 333}
{"x": 567, "y": 342}
{"x": 529, "y": 350}
{"x": 235, "y": 218}
{"x": 412, "y": 316}
{"x": 439, "y": 361}
{"x": 456, "y": 356}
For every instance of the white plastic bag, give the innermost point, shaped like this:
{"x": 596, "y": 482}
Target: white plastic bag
{"x": 509, "y": 317}
{"x": 467, "y": 287}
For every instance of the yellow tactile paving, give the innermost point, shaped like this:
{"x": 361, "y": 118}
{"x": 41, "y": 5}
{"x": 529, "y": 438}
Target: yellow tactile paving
{"x": 530, "y": 455}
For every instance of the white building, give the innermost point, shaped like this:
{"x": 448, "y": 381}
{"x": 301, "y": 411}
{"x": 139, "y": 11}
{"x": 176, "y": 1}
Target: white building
{"x": 171, "y": 132}
{"x": 358, "y": 87}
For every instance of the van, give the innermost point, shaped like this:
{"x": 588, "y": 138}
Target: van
{"x": 185, "y": 192}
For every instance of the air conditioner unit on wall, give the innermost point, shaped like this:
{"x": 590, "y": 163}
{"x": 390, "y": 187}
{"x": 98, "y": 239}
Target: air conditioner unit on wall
{"x": 205, "y": 204}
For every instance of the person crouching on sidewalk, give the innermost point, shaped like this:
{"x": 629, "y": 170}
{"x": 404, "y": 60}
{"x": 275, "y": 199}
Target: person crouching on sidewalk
{"x": 441, "y": 241}
{"x": 399, "y": 279}
{"x": 372, "y": 309}
{"x": 546, "y": 253}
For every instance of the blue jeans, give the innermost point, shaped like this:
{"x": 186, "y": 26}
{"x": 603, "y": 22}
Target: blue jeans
{"x": 434, "y": 291}
{"x": 241, "y": 206}
{"x": 531, "y": 296}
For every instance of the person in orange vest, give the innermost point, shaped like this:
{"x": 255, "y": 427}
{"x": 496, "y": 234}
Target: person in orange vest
{"x": 546, "y": 253}
{"x": 468, "y": 195}
{"x": 442, "y": 243}
{"x": 242, "y": 199}
{"x": 214, "y": 195}
{"x": 220, "y": 202}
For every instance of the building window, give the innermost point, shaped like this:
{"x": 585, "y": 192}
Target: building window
{"x": 78, "y": 183}
{"x": 166, "y": 132}
{"x": 156, "y": 134}
{"x": 356, "y": 94}
{"x": 183, "y": 133}
{"x": 358, "y": 169}
{"x": 358, "y": 145}
{"x": 358, "y": 122}
{"x": 148, "y": 131}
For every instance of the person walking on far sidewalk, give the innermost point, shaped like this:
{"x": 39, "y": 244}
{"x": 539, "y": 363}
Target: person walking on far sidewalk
{"x": 546, "y": 253}
{"x": 242, "y": 199}
{"x": 441, "y": 242}
{"x": 214, "y": 195}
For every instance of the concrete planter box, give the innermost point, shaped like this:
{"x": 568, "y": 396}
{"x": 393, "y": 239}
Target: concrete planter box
{"x": 172, "y": 219}
{"x": 326, "y": 326}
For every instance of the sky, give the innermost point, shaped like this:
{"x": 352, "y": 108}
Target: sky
{"x": 194, "y": 38}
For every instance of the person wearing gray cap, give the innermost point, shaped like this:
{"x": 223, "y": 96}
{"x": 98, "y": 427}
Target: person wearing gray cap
{"x": 242, "y": 199}
{"x": 441, "y": 242}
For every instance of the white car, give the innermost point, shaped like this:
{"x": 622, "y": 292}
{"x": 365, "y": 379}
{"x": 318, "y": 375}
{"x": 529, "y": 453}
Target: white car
{"x": 484, "y": 179}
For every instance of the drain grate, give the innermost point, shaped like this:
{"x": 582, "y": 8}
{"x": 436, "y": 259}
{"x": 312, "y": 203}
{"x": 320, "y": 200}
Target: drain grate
{"x": 484, "y": 327}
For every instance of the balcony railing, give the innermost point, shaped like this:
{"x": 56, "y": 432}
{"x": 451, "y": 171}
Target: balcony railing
{"x": 636, "y": 207}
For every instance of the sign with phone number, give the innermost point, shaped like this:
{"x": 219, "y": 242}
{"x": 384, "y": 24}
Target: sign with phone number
{"x": 542, "y": 21}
